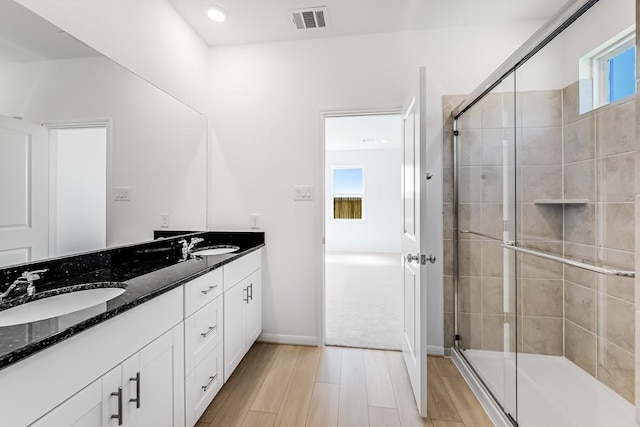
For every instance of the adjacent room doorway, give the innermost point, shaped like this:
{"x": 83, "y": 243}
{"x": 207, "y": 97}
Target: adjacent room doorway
{"x": 78, "y": 208}
{"x": 363, "y": 224}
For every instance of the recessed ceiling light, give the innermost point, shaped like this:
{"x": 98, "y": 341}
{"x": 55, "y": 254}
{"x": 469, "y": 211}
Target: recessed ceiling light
{"x": 216, "y": 14}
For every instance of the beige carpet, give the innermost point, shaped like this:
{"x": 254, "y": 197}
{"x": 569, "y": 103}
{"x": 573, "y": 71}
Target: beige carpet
{"x": 364, "y": 300}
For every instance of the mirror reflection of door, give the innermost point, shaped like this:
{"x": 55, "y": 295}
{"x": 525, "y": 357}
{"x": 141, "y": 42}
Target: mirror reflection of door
{"x": 23, "y": 191}
{"x": 78, "y": 219}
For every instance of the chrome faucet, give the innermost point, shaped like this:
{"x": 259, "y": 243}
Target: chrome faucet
{"x": 24, "y": 281}
{"x": 188, "y": 247}
{"x": 195, "y": 241}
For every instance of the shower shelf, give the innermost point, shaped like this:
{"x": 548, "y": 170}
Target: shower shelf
{"x": 561, "y": 201}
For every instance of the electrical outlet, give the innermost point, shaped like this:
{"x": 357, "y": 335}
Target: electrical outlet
{"x": 122, "y": 194}
{"x": 303, "y": 192}
{"x": 164, "y": 220}
{"x": 255, "y": 220}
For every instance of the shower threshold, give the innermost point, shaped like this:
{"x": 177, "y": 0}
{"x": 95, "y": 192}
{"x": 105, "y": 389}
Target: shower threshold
{"x": 552, "y": 391}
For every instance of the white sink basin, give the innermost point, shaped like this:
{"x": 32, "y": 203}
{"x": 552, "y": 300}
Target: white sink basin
{"x": 57, "y": 305}
{"x": 221, "y": 250}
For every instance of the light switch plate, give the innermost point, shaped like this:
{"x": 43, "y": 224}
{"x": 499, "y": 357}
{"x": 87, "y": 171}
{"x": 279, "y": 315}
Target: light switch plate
{"x": 303, "y": 192}
{"x": 164, "y": 220}
{"x": 255, "y": 221}
{"x": 122, "y": 194}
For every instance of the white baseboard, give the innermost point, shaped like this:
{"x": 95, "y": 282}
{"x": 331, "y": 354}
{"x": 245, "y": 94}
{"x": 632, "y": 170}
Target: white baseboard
{"x": 289, "y": 339}
{"x": 435, "y": 350}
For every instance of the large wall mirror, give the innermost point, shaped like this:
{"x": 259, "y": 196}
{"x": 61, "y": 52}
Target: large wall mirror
{"x": 91, "y": 155}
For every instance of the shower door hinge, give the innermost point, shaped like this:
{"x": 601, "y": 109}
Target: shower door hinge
{"x": 457, "y": 337}
{"x": 514, "y": 422}
{"x": 456, "y": 133}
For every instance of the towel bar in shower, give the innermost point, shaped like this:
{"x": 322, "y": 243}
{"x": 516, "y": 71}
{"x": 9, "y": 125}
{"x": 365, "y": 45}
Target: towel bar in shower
{"x": 601, "y": 270}
{"x": 480, "y": 234}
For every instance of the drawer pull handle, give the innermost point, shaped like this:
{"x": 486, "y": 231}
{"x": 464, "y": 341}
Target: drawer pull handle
{"x": 250, "y": 293}
{"x": 119, "y": 415}
{"x": 211, "y": 288}
{"x": 137, "y": 380}
{"x": 211, "y": 380}
{"x": 211, "y": 329}
{"x": 247, "y": 298}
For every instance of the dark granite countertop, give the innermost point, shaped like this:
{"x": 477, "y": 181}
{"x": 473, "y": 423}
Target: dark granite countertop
{"x": 147, "y": 269}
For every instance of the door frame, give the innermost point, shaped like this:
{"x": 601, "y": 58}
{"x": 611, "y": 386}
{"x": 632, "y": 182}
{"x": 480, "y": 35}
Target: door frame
{"x": 325, "y": 113}
{"x": 77, "y": 124}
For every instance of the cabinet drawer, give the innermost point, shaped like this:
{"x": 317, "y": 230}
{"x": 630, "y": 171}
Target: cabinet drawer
{"x": 203, "y": 330}
{"x": 202, "y": 290}
{"x": 241, "y": 268}
{"x": 203, "y": 384}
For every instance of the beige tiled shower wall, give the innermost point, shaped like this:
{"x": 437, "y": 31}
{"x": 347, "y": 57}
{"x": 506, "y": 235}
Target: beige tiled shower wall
{"x": 599, "y": 166}
{"x": 586, "y": 317}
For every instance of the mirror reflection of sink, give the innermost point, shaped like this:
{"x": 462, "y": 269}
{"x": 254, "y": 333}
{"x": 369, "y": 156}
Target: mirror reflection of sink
{"x": 216, "y": 250}
{"x": 72, "y": 299}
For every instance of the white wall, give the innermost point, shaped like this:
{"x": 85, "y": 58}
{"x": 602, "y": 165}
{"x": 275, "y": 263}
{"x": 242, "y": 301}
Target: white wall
{"x": 380, "y": 228}
{"x": 149, "y": 37}
{"x": 158, "y": 144}
{"x": 264, "y": 111}
{"x": 557, "y": 65}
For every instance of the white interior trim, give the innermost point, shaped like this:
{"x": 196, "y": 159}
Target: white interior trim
{"x": 288, "y": 339}
{"x": 323, "y": 114}
{"x": 435, "y": 350}
{"x": 73, "y": 124}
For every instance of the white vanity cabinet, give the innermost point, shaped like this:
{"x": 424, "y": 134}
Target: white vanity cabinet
{"x": 138, "y": 392}
{"x": 242, "y": 308}
{"x": 203, "y": 348}
{"x": 159, "y": 364}
{"x": 45, "y": 385}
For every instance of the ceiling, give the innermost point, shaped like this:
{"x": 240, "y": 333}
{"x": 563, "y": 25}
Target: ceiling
{"x": 255, "y": 21}
{"x": 26, "y": 37}
{"x": 376, "y": 132}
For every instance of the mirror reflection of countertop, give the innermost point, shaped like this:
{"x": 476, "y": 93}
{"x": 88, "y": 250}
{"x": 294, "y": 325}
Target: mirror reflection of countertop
{"x": 148, "y": 270}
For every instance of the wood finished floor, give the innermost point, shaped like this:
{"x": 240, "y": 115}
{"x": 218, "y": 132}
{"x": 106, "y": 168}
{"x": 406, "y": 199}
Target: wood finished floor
{"x": 281, "y": 385}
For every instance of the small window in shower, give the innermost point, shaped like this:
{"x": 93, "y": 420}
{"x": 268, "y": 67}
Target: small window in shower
{"x": 608, "y": 74}
{"x": 622, "y": 74}
{"x": 348, "y": 192}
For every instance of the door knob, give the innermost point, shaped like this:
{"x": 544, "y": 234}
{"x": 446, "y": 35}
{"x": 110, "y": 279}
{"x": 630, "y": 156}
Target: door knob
{"x": 411, "y": 258}
{"x": 431, "y": 259}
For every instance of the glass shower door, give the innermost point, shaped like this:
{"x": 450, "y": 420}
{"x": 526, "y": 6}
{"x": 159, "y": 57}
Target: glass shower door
{"x": 486, "y": 272}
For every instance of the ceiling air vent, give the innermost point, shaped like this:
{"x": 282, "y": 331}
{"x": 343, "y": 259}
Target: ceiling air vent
{"x": 313, "y": 17}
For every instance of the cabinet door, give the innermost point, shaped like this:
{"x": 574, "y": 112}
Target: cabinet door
{"x": 154, "y": 383}
{"x": 234, "y": 301}
{"x": 253, "y": 310}
{"x": 203, "y": 384}
{"x": 82, "y": 410}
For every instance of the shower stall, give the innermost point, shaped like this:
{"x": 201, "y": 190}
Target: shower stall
{"x": 540, "y": 242}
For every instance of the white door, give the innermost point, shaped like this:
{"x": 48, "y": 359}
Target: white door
{"x": 414, "y": 342}
{"x": 24, "y": 191}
